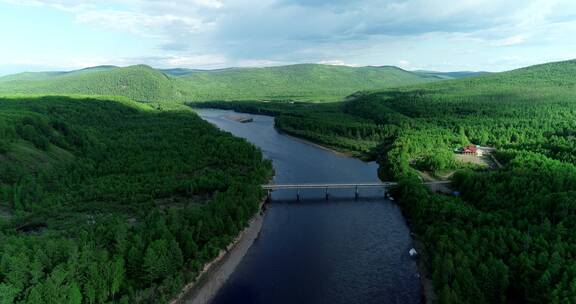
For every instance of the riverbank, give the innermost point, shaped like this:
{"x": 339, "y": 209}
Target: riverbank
{"x": 216, "y": 273}
{"x": 428, "y": 294}
{"x": 319, "y": 146}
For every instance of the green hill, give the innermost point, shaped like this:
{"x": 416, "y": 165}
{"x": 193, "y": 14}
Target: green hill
{"x": 29, "y": 76}
{"x": 516, "y": 92}
{"x": 556, "y": 74}
{"x": 108, "y": 201}
{"x": 311, "y": 82}
{"x": 140, "y": 83}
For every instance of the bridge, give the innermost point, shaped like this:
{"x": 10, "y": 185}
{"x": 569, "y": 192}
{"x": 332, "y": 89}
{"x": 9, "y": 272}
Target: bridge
{"x": 355, "y": 186}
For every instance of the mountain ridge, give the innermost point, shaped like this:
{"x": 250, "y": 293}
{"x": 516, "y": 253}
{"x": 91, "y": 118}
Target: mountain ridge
{"x": 306, "y": 82}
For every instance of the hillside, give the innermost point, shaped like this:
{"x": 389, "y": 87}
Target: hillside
{"x": 108, "y": 201}
{"x": 311, "y": 82}
{"x": 507, "y": 237}
{"x": 300, "y": 82}
{"x": 140, "y": 83}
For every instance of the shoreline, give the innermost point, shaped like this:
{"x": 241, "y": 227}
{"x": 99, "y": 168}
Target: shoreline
{"x": 426, "y": 283}
{"x": 300, "y": 139}
{"x": 215, "y": 273}
{"x": 317, "y": 145}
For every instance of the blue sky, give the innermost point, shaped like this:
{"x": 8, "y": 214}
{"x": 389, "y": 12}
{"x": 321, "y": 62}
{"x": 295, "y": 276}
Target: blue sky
{"x": 443, "y": 35}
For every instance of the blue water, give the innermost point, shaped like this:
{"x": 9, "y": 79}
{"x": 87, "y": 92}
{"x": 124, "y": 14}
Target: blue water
{"x": 317, "y": 251}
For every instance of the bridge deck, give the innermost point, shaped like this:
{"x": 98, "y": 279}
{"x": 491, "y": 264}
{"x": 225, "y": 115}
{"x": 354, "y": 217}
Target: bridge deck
{"x": 326, "y": 186}
{"x": 338, "y": 186}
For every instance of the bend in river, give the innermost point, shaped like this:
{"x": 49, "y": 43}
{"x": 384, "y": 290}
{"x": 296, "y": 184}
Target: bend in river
{"x": 316, "y": 251}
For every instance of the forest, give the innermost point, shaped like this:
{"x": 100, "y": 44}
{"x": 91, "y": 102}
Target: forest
{"x": 508, "y": 237}
{"x": 168, "y": 89}
{"x": 110, "y": 201}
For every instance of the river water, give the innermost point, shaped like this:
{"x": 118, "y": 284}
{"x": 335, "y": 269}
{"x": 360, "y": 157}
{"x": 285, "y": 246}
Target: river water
{"x": 316, "y": 251}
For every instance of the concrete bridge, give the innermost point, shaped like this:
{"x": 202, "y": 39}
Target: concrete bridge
{"x": 327, "y": 186}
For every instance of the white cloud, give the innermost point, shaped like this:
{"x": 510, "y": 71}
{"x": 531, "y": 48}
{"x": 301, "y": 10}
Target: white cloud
{"x": 513, "y": 40}
{"x": 210, "y": 3}
{"x": 142, "y": 24}
{"x": 206, "y": 60}
{"x": 336, "y": 62}
{"x": 405, "y": 64}
{"x": 408, "y": 33}
{"x": 256, "y": 63}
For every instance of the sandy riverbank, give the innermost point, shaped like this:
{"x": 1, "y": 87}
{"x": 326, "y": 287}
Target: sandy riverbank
{"x": 427, "y": 285}
{"x": 311, "y": 143}
{"x": 215, "y": 273}
{"x": 240, "y": 118}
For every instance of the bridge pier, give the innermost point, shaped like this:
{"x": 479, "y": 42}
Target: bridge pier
{"x": 326, "y": 195}
{"x": 298, "y": 194}
{"x": 356, "y": 193}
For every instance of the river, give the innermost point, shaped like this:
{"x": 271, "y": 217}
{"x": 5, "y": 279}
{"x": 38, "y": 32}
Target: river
{"x": 316, "y": 251}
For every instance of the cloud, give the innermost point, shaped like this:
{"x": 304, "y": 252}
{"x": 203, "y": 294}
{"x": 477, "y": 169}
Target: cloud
{"x": 513, "y": 40}
{"x": 335, "y": 62}
{"x": 163, "y": 26}
{"x": 404, "y": 64}
{"x": 371, "y": 32}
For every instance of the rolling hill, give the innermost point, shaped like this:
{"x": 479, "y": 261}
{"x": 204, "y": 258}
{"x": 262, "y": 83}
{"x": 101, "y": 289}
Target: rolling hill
{"x": 140, "y": 83}
{"x": 300, "y": 82}
{"x": 308, "y": 82}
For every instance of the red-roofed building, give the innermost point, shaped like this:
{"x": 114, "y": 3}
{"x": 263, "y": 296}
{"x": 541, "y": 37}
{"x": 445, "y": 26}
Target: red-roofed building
{"x": 470, "y": 149}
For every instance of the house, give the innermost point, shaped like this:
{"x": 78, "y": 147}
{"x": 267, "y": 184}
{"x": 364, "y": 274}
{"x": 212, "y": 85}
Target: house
{"x": 470, "y": 149}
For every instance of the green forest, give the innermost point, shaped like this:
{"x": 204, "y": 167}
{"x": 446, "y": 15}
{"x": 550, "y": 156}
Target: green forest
{"x": 110, "y": 201}
{"x": 508, "y": 237}
{"x": 170, "y": 88}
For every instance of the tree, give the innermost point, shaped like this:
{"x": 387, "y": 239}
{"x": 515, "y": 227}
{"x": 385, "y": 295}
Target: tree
{"x": 116, "y": 275}
{"x": 157, "y": 262}
{"x": 8, "y": 293}
{"x": 74, "y": 296}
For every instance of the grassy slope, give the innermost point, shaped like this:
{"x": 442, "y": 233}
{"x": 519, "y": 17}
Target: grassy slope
{"x": 142, "y": 83}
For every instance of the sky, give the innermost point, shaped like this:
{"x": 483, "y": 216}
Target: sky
{"x": 440, "y": 35}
